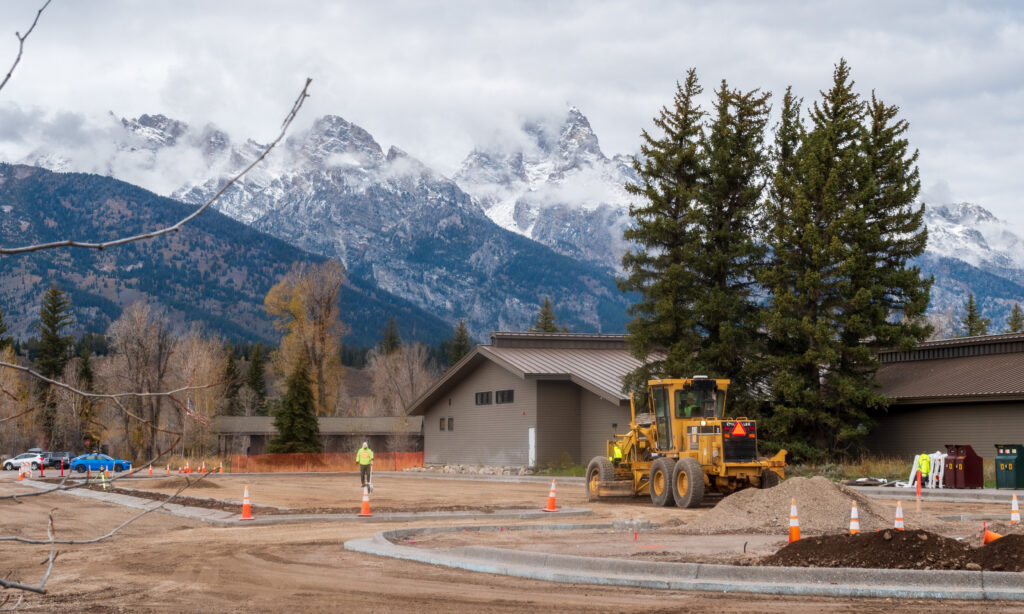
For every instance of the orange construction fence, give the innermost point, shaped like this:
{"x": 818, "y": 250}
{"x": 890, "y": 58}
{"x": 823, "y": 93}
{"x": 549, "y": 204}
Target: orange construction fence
{"x": 281, "y": 463}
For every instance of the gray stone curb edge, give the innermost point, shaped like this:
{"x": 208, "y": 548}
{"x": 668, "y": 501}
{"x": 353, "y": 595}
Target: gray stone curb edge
{"x": 823, "y": 582}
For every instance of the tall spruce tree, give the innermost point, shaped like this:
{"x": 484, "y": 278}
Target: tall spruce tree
{"x": 459, "y": 345}
{"x": 54, "y": 346}
{"x": 256, "y": 379}
{"x": 973, "y": 324}
{"x": 390, "y": 340}
{"x": 298, "y": 429}
{"x": 1015, "y": 323}
{"x": 54, "y": 353}
{"x": 546, "y": 321}
{"x": 844, "y": 230}
{"x": 231, "y": 404}
{"x": 671, "y": 167}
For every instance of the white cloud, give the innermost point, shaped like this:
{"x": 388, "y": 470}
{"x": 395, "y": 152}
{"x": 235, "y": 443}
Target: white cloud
{"x": 437, "y": 78}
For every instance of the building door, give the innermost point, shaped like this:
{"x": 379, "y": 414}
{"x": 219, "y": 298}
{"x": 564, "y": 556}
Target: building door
{"x": 533, "y": 447}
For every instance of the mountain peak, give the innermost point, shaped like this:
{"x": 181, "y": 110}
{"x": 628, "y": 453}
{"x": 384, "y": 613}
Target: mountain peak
{"x": 159, "y": 130}
{"x": 577, "y": 138}
{"x": 965, "y": 213}
{"x": 332, "y": 134}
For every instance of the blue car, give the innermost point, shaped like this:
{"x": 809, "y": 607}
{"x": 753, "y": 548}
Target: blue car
{"x": 98, "y": 462}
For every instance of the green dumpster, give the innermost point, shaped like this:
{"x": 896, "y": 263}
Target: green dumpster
{"x": 1009, "y": 472}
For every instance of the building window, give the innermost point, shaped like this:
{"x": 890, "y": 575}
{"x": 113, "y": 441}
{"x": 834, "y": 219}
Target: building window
{"x": 504, "y": 396}
{"x": 442, "y": 424}
{"x": 483, "y": 398}
{"x": 451, "y": 424}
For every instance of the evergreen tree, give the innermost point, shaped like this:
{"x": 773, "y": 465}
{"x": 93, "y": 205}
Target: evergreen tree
{"x": 295, "y": 420}
{"x": 459, "y": 345}
{"x": 390, "y": 339}
{"x": 255, "y": 377}
{"x": 54, "y": 346}
{"x": 231, "y": 404}
{"x": 973, "y": 324}
{"x": 5, "y": 339}
{"x": 1015, "y": 324}
{"x": 671, "y": 170}
{"x": 546, "y": 320}
{"x": 844, "y": 231}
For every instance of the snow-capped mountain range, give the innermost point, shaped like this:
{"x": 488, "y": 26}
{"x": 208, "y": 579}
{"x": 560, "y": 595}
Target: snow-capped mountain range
{"x": 435, "y": 240}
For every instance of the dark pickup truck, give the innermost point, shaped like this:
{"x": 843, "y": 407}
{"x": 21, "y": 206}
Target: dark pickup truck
{"x": 53, "y": 459}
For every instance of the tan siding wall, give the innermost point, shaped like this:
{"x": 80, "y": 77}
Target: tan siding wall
{"x": 906, "y": 431}
{"x": 596, "y": 418}
{"x": 558, "y": 421}
{"x": 484, "y": 434}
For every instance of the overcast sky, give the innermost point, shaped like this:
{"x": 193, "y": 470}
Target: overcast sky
{"x": 435, "y": 78}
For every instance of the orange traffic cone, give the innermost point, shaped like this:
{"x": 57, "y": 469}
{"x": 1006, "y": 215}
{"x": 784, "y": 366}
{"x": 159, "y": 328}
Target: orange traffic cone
{"x": 365, "y": 511}
{"x": 246, "y": 508}
{"x": 794, "y": 523}
{"x": 21, "y": 473}
{"x": 151, "y": 470}
{"x": 168, "y": 470}
{"x": 988, "y": 536}
{"x": 854, "y": 520}
{"x": 1014, "y": 511}
{"x": 898, "y": 525}
{"x": 106, "y": 473}
{"x": 551, "y": 500}
{"x": 88, "y": 473}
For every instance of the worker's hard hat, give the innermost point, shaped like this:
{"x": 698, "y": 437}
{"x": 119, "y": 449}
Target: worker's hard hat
{"x": 364, "y": 444}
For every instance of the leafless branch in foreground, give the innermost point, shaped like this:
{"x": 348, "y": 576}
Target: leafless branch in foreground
{"x": 175, "y": 227}
{"x": 62, "y": 486}
{"x": 41, "y": 587}
{"x": 21, "y": 43}
{"x": 75, "y": 542}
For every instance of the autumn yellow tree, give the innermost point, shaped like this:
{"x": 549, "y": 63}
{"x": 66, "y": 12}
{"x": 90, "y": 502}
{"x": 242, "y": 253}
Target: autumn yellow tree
{"x": 304, "y": 306}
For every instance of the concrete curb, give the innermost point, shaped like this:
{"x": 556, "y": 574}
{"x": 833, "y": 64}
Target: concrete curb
{"x": 951, "y": 495}
{"x": 875, "y": 583}
{"x": 224, "y": 518}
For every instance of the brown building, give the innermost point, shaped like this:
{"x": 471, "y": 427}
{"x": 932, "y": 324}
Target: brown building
{"x": 528, "y": 399}
{"x": 955, "y": 391}
{"x": 250, "y": 434}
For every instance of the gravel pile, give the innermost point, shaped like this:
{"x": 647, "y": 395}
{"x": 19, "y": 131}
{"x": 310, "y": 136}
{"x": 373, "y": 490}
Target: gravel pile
{"x": 823, "y": 507}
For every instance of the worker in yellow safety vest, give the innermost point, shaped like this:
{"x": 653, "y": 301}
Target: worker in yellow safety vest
{"x": 365, "y": 459}
{"x": 924, "y": 465}
{"x": 616, "y": 456}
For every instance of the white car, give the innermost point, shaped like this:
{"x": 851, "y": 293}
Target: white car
{"x": 35, "y": 460}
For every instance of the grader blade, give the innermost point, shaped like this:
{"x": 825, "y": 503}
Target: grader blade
{"x": 618, "y": 488}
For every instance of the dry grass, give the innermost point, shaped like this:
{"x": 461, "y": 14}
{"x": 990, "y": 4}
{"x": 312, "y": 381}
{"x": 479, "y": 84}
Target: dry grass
{"x": 890, "y": 468}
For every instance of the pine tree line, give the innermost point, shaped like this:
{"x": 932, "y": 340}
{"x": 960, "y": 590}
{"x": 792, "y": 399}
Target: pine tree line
{"x": 782, "y": 262}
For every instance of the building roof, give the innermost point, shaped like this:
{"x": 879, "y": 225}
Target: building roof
{"x": 596, "y": 363}
{"x": 955, "y": 370}
{"x": 264, "y": 425}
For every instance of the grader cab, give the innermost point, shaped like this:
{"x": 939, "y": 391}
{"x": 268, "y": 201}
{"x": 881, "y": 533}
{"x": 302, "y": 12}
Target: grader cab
{"x": 680, "y": 445}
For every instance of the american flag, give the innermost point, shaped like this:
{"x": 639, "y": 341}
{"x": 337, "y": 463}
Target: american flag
{"x": 193, "y": 413}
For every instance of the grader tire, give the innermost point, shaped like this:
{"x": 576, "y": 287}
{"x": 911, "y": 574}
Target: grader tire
{"x": 688, "y": 483}
{"x": 768, "y": 479}
{"x": 599, "y": 470}
{"x": 660, "y": 483}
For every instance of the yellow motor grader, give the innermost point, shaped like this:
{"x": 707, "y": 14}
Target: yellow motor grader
{"x": 680, "y": 445}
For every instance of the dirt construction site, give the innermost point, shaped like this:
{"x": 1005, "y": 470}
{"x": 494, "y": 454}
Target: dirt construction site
{"x": 307, "y": 550}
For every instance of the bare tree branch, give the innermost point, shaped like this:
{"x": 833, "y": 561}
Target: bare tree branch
{"x": 21, "y": 44}
{"x": 41, "y": 587}
{"x": 75, "y": 542}
{"x": 176, "y": 227}
{"x": 61, "y": 486}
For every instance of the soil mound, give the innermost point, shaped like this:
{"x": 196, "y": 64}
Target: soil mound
{"x": 892, "y": 549}
{"x": 823, "y": 507}
{"x": 887, "y": 549}
{"x": 1004, "y": 554}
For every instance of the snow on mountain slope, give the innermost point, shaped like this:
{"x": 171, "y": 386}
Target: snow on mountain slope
{"x": 557, "y": 187}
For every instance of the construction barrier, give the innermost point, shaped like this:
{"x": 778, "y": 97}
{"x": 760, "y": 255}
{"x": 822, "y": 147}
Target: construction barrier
{"x": 288, "y": 463}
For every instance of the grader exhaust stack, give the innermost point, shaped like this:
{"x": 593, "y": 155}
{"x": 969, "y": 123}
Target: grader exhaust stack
{"x": 680, "y": 446}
